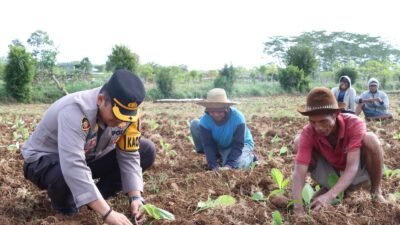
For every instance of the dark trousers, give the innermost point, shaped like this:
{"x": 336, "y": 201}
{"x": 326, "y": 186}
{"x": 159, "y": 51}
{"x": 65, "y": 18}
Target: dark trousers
{"x": 46, "y": 174}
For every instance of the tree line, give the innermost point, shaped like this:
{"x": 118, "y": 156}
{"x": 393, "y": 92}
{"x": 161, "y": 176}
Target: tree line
{"x": 315, "y": 56}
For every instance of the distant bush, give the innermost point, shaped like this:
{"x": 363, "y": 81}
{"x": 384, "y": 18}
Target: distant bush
{"x": 19, "y": 72}
{"x": 226, "y": 79}
{"x": 292, "y": 78}
{"x": 165, "y": 82}
{"x": 348, "y": 71}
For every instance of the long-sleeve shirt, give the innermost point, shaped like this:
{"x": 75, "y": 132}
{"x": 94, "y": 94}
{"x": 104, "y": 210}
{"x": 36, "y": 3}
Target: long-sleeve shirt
{"x": 381, "y": 107}
{"x": 70, "y": 128}
{"x": 226, "y": 139}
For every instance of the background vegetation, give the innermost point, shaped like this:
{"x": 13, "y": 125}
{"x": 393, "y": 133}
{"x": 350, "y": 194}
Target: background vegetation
{"x": 298, "y": 63}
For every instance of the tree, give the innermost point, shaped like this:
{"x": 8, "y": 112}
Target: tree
{"x": 226, "y": 79}
{"x": 146, "y": 72}
{"x": 19, "y": 72}
{"x": 122, "y": 58}
{"x": 44, "y": 53}
{"x": 348, "y": 71}
{"x": 85, "y": 66}
{"x": 292, "y": 78}
{"x": 381, "y": 70}
{"x": 165, "y": 81}
{"x": 303, "y": 57}
{"x": 336, "y": 46}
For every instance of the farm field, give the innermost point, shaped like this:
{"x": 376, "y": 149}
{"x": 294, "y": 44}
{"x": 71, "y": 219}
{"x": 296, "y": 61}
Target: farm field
{"x": 179, "y": 179}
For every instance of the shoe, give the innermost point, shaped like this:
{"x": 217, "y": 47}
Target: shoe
{"x": 64, "y": 210}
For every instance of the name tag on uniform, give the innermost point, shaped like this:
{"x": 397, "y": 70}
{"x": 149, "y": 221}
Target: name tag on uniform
{"x": 130, "y": 141}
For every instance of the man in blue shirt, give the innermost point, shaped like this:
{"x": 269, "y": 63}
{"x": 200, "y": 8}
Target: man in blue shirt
{"x": 221, "y": 133}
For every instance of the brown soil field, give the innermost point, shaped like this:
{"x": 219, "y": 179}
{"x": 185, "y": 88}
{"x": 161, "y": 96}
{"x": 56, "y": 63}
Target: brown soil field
{"x": 179, "y": 179}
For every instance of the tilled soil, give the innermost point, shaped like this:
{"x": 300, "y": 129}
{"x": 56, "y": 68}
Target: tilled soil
{"x": 179, "y": 179}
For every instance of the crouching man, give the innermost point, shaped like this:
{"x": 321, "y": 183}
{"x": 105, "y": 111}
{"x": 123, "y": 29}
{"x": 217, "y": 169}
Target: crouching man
{"x": 334, "y": 143}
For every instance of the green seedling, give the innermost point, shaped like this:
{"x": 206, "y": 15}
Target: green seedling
{"x": 276, "y": 139}
{"x": 223, "y": 200}
{"x": 283, "y": 150}
{"x": 13, "y": 147}
{"x": 157, "y": 213}
{"x": 276, "y": 218}
{"x": 153, "y": 125}
{"x": 277, "y": 176}
{"x": 332, "y": 180}
{"x": 258, "y": 196}
{"x": 190, "y": 138}
{"x": 167, "y": 148}
{"x": 307, "y": 194}
{"x": 389, "y": 173}
{"x": 396, "y": 136}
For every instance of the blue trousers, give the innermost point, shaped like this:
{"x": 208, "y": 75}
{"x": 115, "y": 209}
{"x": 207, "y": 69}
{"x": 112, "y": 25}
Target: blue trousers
{"x": 46, "y": 174}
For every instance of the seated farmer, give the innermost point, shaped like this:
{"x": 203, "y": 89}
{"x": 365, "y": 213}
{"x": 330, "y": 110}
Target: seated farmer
{"x": 222, "y": 134}
{"x": 373, "y": 103}
{"x": 87, "y": 135}
{"x": 334, "y": 143}
{"x": 345, "y": 93}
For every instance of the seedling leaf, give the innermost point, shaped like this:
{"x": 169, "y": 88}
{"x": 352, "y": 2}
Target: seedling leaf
{"x": 258, "y": 196}
{"x": 277, "y": 218}
{"x": 283, "y": 150}
{"x": 223, "y": 200}
{"x": 307, "y": 193}
{"x": 157, "y": 213}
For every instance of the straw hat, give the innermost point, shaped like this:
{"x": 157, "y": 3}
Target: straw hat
{"x": 320, "y": 100}
{"x": 216, "y": 99}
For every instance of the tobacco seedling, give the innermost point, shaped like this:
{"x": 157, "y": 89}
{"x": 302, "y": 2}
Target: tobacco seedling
{"x": 276, "y": 218}
{"x": 278, "y": 177}
{"x": 157, "y": 213}
{"x": 258, "y": 196}
{"x": 283, "y": 150}
{"x": 332, "y": 180}
{"x": 307, "y": 195}
{"x": 389, "y": 173}
{"x": 167, "y": 147}
{"x": 276, "y": 139}
{"x": 223, "y": 200}
{"x": 153, "y": 125}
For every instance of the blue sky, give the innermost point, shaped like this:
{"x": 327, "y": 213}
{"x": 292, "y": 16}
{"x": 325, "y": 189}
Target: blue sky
{"x": 201, "y": 34}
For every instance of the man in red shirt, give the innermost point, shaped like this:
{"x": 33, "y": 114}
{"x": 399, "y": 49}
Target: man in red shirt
{"x": 334, "y": 143}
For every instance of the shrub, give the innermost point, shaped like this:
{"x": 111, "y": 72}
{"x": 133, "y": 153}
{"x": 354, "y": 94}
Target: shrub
{"x": 292, "y": 78}
{"x": 226, "y": 79}
{"x": 19, "y": 72}
{"x": 348, "y": 71}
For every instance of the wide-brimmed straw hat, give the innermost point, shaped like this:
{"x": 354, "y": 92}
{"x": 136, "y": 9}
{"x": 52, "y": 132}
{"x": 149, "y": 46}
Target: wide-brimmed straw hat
{"x": 216, "y": 99}
{"x": 320, "y": 100}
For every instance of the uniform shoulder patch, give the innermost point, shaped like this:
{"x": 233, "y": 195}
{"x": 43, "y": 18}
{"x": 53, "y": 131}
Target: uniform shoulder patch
{"x": 85, "y": 125}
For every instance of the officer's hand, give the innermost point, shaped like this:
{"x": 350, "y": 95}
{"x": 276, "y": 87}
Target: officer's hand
{"x": 138, "y": 215}
{"x": 116, "y": 218}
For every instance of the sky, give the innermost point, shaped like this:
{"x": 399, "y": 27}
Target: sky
{"x": 203, "y": 35}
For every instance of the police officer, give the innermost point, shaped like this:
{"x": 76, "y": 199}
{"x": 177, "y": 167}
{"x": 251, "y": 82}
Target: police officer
{"x": 88, "y": 135}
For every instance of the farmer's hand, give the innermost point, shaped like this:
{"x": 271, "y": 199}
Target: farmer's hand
{"x": 139, "y": 216}
{"x": 321, "y": 201}
{"x": 379, "y": 100}
{"x": 116, "y": 218}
